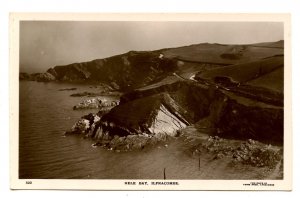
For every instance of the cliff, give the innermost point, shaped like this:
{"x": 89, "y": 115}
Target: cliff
{"x": 126, "y": 71}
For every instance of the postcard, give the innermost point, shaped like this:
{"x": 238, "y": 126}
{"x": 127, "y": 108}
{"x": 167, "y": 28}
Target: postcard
{"x": 150, "y": 101}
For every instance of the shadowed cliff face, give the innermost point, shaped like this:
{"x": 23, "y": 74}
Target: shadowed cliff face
{"x": 239, "y": 121}
{"x": 127, "y": 71}
{"x": 229, "y": 114}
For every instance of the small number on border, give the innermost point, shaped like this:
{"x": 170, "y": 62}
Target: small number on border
{"x": 28, "y": 182}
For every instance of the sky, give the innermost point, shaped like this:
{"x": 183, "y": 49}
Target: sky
{"x": 45, "y": 44}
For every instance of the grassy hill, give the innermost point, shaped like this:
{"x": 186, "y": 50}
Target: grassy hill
{"x": 242, "y": 73}
{"x": 224, "y": 54}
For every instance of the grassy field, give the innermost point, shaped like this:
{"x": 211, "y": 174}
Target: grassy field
{"x": 278, "y": 44}
{"x": 223, "y": 54}
{"x": 272, "y": 80}
{"x": 244, "y": 72}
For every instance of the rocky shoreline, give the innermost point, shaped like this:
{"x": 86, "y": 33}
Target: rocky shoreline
{"x": 90, "y": 126}
{"x": 248, "y": 152}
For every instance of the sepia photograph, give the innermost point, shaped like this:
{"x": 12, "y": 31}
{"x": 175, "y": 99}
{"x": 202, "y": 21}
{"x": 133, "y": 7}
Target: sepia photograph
{"x": 151, "y": 101}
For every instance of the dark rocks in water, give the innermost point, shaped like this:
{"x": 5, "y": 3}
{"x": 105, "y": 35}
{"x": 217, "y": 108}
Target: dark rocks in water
{"x": 68, "y": 89}
{"x": 95, "y": 103}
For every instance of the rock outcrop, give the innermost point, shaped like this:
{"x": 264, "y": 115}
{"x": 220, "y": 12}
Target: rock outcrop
{"x": 164, "y": 111}
{"x": 96, "y": 103}
{"x": 93, "y": 126}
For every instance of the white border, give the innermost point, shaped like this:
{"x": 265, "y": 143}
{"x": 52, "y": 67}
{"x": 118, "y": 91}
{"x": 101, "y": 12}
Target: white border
{"x": 16, "y": 183}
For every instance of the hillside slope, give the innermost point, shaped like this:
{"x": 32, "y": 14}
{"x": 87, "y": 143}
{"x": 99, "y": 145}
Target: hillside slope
{"x": 138, "y": 69}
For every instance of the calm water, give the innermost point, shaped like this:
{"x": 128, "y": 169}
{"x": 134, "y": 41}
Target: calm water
{"x": 46, "y": 113}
